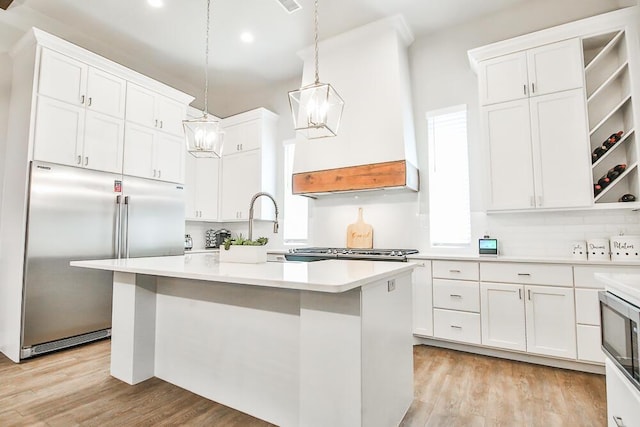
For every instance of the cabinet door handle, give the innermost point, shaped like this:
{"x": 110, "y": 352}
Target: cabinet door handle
{"x": 82, "y": 100}
{"x": 154, "y": 173}
{"x": 529, "y": 294}
{"x": 79, "y": 161}
{"x": 456, "y": 327}
{"x": 241, "y": 147}
{"x": 455, "y": 296}
{"x": 520, "y": 293}
{"x": 618, "y": 421}
{"x": 86, "y": 161}
{"x": 524, "y": 88}
{"x": 156, "y": 125}
{"x": 160, "y": 124}
{"x": 533, "y": 88}
{"x": 159, "y": 173}
{"x": 89, "y": 103}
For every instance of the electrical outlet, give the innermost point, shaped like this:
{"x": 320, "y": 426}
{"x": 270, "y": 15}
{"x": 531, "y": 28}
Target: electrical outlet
{"x": 391, "y": 285}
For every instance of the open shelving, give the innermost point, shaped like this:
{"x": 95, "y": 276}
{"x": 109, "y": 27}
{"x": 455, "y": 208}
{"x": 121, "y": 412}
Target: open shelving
{"x": 610, "y": 110}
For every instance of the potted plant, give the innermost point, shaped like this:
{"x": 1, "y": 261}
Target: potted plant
{"x": 239, "y": 249}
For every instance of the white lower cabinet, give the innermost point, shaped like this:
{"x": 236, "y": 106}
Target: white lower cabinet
{"x": 623, "y": 399}
{"x": 503, "y": 316}
{"x": 456, "y": 325}
{"x": 422, "y": 300}
{"x": 589, "y": 343}
{"x": 550, "y": 319}
{"x": 536, "y": 319}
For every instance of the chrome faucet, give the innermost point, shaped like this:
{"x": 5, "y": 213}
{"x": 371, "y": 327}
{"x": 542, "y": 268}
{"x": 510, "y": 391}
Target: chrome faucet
{"x": 253, "y": 201}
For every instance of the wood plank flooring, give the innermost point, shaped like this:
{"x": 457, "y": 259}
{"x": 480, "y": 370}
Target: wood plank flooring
{"x": 74, "y": 388}
{"x": 460, "y": 389}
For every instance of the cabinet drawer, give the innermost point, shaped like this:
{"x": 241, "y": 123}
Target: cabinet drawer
{"x": 588, "y": 339}
{"x": 456, "y": 326}
{"x": 525, "y": 273}
{"x": 456, "y": 295}
{"x": 584, "y": 275}
{"x": 461, "y": 270}
{"x": 587, "y": 307}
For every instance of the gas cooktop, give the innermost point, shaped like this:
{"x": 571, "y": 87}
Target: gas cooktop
{"x": 320, "y": 253}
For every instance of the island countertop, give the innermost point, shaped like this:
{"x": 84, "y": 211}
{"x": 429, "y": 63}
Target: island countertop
{"x": 332, "y": 276}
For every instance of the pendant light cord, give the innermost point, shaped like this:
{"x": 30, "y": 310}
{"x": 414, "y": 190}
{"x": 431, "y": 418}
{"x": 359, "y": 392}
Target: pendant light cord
{"x": 206, "y": 62}
{"x": 316, "y": 42}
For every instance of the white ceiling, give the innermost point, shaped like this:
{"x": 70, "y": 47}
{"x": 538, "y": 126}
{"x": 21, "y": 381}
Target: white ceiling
{"x": 171, "y": 39}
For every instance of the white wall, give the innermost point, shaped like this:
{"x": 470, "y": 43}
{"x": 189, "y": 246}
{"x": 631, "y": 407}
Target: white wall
{"x": 441, "y": 77}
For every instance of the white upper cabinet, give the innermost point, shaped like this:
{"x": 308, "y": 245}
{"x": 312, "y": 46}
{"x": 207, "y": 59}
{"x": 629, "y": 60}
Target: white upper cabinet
{"x": 547, "y": 69}
{"x": 62, "y": 77}
{"x": 555, "y": 67}
{"x": 150, "y": 154}
{"x": 503, "y": 79}
{"x": 559, "y": 137}
{"x": 248, "y": 165}
{"x": 81, "y": 103}
{"x": 79, "y": 120}
{"x": 147, "y": 108}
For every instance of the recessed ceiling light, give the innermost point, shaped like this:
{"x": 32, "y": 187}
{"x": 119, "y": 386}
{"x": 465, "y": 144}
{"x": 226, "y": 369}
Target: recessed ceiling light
{"x": 156, "y": 3}
{"x": 246, "y": 37}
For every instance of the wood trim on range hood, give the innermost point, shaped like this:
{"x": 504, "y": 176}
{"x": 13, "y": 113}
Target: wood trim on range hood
{"x": 4, "y": 4}
{"x": 388, "y": 175}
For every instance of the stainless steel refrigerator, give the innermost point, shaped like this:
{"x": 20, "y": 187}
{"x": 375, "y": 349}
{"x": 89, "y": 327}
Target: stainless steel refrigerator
{"x": 76, "y": 214}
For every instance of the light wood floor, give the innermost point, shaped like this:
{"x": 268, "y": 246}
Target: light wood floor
{"x": 73, "y": 387}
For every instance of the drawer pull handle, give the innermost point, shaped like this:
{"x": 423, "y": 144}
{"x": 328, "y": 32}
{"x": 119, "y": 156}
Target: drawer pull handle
{"x": 524, "y": 274}
{"x": 454, "y": 271}
{"x": 618, "y": 421}
{"x": 455, "y": 296}
{"x": 456, "y": 327}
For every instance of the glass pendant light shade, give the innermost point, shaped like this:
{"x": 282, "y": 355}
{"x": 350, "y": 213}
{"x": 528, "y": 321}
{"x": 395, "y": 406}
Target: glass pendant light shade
{"x": 316, "y": 109}
{"x": 204, "y": 136}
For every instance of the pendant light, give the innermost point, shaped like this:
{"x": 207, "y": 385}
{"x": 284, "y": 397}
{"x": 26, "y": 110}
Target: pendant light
{"x": 316, "y": 108}
{"x": 203, "y": 135}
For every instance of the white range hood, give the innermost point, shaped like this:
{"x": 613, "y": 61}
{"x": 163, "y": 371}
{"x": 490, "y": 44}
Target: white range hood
{"x": 375, "y": 147}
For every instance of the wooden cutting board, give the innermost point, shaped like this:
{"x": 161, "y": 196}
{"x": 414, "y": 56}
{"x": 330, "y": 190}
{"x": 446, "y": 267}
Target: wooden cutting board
{"x": 359, "y": 234}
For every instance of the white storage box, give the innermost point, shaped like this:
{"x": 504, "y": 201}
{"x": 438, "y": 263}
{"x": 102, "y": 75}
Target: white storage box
{"x": 245, "y": 254}
{"x": 625, "y": 248}
{"x": 580, "y": 250}
{"x": 598, "y": 250}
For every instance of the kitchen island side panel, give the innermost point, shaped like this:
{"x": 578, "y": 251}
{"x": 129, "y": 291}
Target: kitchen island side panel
{"x": 237, "y": 345}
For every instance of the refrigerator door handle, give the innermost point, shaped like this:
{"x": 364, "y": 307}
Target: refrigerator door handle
{"x": 126, "y": 229}
{"x": 118, "y": 225}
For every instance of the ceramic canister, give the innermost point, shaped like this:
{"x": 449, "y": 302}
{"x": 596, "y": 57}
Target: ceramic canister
{"x": 580, "y": 250}
{"x": 625, "y": 248}
{"x": 598, "y": 250}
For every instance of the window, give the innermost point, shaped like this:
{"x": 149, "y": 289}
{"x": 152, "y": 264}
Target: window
{"x": 449, "y": 208}
{"x": 296, "y": 208}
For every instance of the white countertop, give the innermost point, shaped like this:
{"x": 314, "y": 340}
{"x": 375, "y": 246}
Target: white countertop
{"x": 503, "y": 258}
{"x": 331, "y": 276}
{"x": 626, "y": 286}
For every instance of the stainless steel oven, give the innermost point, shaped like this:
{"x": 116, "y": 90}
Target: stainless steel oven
{"x": 620, "y": 322}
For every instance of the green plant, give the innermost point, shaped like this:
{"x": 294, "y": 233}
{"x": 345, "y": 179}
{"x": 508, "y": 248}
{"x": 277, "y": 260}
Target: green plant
{"x": 260, "y": 241}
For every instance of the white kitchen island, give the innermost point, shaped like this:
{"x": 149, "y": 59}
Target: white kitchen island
{"x": 326, "y": 343}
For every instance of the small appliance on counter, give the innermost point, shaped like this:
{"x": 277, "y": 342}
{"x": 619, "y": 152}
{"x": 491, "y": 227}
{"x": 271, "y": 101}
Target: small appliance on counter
{"x": 213, "y": 239}
{"x": 188, "y": 242}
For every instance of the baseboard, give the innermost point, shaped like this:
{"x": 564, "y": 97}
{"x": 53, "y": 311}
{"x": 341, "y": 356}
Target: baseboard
{"x": 574, "y": 365}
